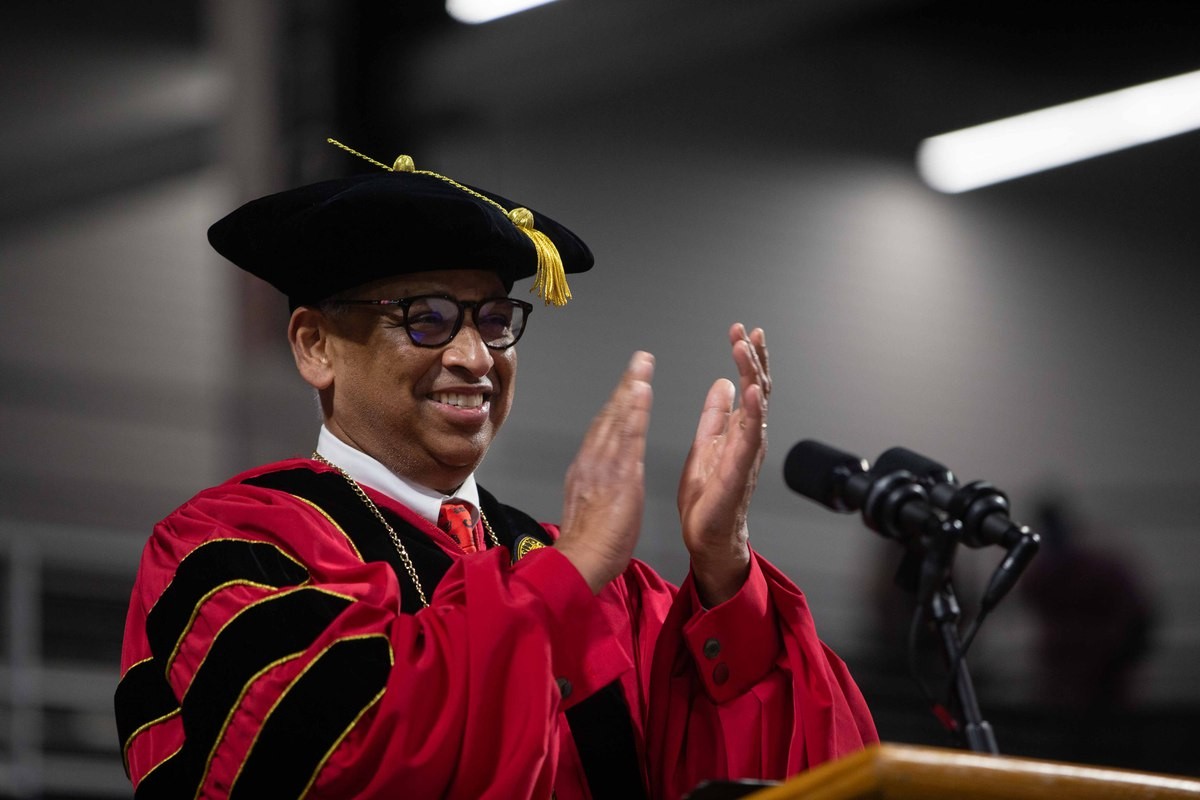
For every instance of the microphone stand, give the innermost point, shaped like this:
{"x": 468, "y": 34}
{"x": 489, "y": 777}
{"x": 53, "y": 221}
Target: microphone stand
{"x": 917, "y": 502}
{"x": 898, "y": 506}
{"x": 936, "y": 598}
{"x": 944, "y": 611}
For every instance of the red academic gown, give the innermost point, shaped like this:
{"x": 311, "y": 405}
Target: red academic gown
{"x": 264, "y": 655}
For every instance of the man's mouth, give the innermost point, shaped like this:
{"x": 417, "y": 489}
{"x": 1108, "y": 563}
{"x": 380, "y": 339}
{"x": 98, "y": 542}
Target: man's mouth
{"x": 458, "y": 399}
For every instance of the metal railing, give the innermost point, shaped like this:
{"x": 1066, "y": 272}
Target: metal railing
{"x": 58, "y": 733}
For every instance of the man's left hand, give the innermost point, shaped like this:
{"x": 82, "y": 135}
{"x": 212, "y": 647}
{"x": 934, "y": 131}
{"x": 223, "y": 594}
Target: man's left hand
{"x": 721, "y": 471}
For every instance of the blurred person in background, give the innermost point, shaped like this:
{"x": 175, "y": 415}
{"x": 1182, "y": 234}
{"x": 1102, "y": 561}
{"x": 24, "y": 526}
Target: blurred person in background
{"x": 1095, "y": 622}
{"x": 1095, "y": 616}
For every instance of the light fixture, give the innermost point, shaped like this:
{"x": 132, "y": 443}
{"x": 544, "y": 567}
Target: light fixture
{"x": 474, "y": 12}
{"x": 1040, "y": 140}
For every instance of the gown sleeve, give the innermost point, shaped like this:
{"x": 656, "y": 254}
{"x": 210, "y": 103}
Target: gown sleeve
{"x": 745, "y": 689}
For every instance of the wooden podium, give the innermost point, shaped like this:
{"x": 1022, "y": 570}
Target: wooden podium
{"x": 903, "y": 772}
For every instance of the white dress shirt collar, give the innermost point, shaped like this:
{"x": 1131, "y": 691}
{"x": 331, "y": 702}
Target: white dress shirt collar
{"x": 369, "y": 472}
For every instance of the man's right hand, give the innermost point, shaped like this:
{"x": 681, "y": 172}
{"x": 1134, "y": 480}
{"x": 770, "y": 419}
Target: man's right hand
{"x": 605, "y": 487}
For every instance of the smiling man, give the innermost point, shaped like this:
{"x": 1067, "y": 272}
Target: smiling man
{"x": 424, "y": 398}
{"x": 369, "y": 622}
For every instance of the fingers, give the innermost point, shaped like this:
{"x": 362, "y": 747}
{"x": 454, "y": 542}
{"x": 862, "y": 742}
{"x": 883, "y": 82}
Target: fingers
{"x": 626, "y": 415}
{"x": 633, "y": 392}
{"x": 728, "y": 442}
{"x": 718, "y": 408}
{"x": 750, "y": 356}
{"x": 754, "y": 377}
{"x": 641, "y": 368}
{"x": 758, "y": 338}
{"x": 614, "y": 447}
{"x": 604, "y": 492}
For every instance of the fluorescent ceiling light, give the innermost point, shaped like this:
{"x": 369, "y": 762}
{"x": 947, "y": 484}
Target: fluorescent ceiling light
{"x": 1040, "y": 140}
{"x": 474, "y": 12}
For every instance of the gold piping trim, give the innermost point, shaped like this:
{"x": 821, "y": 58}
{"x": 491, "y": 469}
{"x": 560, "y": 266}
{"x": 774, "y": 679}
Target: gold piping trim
{"x": 233, "y": 710}
{"x": 338, "y": 742}
{"x": 295, "y": 680}
{"x": 150, "y": 771}
{"x": 332, "y": 522}
{"x": 196, "y": 612}
{"x": 129, "y": 742}
{"x": 214, "y": 541}
{"x": 136, "y": 664}
{"x": 246, "y": 608}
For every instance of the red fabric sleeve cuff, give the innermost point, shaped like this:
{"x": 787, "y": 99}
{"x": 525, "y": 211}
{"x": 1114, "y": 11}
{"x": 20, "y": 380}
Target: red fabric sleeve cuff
{"x": 736, "y": 643}
{"x": 585, "y": 654}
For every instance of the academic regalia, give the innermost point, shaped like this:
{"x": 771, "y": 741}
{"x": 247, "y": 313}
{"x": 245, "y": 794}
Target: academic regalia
{"x": 276, "y": 645}
{"x": 275, "y": 648}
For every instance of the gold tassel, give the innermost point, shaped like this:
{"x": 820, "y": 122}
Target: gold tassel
{"x": 551, "y": 281}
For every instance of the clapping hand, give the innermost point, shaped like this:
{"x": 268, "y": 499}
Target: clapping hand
{"x": 722, "y": 469}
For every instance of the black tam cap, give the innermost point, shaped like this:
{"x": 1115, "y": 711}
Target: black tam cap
{"x": 315, "y": 241}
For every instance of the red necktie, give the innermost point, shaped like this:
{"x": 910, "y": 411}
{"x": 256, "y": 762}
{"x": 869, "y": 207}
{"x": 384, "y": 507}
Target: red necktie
{"x": 455, "y": 519}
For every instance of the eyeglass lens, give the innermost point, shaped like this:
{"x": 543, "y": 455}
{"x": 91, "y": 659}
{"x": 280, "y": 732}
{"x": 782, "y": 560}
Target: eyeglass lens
{"x": 433, "y": 321}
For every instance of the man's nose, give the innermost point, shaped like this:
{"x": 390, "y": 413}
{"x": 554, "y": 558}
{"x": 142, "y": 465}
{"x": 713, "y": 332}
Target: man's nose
{"x": 467, "y": 350}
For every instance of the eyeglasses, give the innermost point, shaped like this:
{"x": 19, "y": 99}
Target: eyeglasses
{"x": 432, "y": 320}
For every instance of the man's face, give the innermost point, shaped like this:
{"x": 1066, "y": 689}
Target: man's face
{"x": 427, "y": 413}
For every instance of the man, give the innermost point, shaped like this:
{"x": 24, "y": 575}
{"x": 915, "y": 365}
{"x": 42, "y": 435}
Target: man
{"x": 369, "y": 622}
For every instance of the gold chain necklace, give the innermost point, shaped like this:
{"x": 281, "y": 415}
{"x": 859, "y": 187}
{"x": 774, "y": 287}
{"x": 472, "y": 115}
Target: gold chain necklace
{"x": 408, "y": 565}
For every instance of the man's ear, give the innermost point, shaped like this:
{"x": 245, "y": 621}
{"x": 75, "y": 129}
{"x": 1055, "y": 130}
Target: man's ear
{"x": 308, "y": 334}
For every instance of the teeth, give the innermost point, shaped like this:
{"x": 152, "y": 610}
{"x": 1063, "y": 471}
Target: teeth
{"x": 459, "y": 400}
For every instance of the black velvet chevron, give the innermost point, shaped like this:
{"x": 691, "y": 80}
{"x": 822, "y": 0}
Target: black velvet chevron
{"x": 313, "y": 717}
{"x": 265, "y": 633}
{"x": 208, "y": 567}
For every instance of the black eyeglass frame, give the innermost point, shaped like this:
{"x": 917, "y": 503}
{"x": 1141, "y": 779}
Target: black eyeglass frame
{"x": 405, "y": 302}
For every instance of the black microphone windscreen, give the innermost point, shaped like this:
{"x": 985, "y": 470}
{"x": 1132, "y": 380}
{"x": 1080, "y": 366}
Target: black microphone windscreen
{"x": 901, "y": 458}
{"x": 818, "y": 471}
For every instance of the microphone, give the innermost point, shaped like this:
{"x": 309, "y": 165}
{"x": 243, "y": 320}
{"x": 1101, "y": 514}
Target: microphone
{"x": 831, "y": 477}
{"x": 982, "y": 508}
{"x": 926, "y": 469}
{"x": 894, "y": 505}
{"x": 983, "y": 511}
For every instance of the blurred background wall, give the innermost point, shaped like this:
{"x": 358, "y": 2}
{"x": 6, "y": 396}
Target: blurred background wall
{"x": 727, "y": 160}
